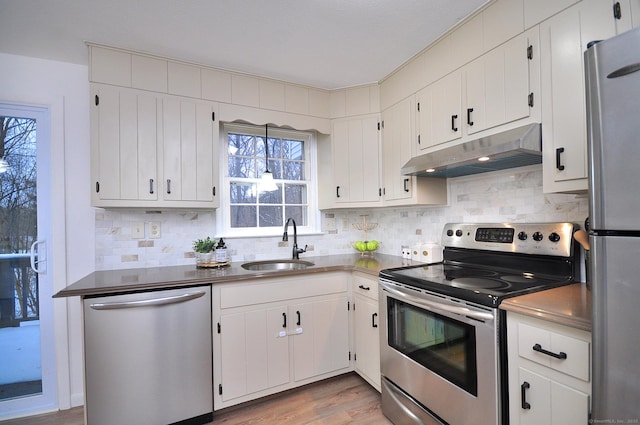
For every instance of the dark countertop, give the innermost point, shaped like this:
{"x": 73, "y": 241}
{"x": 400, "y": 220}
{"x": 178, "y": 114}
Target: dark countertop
{"x": 129, "y": 280}
{"x": 568, "y": 305}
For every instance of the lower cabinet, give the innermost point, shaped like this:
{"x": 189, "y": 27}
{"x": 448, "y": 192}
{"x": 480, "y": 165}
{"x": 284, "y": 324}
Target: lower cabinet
{"x": 278, "y": 333}
{"x": 366, "y": 331}
{"x": 549, "y": 372}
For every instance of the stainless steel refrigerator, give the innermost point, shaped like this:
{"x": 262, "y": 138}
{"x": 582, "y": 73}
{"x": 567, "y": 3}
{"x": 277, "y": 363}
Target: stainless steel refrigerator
{"x": 612, "y": 70}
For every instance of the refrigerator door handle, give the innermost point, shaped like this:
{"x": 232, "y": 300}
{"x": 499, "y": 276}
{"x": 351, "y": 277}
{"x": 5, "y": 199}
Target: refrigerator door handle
{"x": 625, "y": 70}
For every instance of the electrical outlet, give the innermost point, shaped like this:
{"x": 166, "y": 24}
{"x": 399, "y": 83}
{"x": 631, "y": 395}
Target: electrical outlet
{"x": 154, "y": 230}
{"x": 137, "y": 230}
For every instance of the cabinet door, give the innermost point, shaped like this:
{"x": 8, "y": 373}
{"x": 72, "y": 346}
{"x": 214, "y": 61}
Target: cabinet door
{"x": 563, "y": 39}
{"x": 124, "y": 130}
{"x": 356, "y": 159}
{"x": 424, "y": 118}
{"x": 367, "y": 339}
{"x": 320, "y": 335}
{"x": 255, "y": 351}
{"x": 447, "y": 116}
{"x": 397, "y": 140}
{"x": 190, "y": 143}
{"x": 478, "y": 104}
{"x": 550, "y": 402}
{"x": 626, "y": 14}
{"x": 340, "y": 155}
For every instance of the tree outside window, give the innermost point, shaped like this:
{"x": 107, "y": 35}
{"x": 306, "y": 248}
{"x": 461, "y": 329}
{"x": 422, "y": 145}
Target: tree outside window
{"x": 249, "y": 206}
{"x": 18, "y": 217}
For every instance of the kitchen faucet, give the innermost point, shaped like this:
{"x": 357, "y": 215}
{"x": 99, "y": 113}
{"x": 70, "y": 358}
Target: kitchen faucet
{"x": 285, "y": 237}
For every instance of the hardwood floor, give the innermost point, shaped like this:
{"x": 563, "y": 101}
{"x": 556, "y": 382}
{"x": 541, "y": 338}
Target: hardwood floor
{"x": 346, "y": 399}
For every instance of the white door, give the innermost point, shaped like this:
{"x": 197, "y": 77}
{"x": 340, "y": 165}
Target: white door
{"x": 27, "y": 359}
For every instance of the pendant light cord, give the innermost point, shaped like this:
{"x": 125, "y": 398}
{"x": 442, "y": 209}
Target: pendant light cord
{"x": 266, "y": 147}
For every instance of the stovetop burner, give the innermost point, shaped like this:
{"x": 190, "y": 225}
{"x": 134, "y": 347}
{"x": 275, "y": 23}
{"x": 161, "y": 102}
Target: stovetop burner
{"x": 487, "y": 263}
{"x": 479, "y": 283}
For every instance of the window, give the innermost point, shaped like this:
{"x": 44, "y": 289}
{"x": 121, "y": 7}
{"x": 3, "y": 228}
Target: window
{"x": 249, "y": 209}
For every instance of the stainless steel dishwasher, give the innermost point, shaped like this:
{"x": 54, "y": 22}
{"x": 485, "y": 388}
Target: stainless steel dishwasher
{"x": 148, "y": 358}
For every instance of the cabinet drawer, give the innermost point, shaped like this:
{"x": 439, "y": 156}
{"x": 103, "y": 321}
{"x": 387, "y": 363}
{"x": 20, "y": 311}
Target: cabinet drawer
{"x": 365, "y": 286}
{"x": 558, "y": 351}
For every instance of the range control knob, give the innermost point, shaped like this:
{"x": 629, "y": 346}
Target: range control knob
{"x": 458, "y": 232}
{"x": 537, "y": 236}
{"x": 449, "y": 232}
{"x": 554, "y": 237}
{"x": 522, "y": 236}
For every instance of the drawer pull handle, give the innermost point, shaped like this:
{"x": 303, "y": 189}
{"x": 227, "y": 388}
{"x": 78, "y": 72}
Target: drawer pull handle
{"x": 523, "y": 395}
{"x": 284, "y": 320}
{"x": 298, "y": 323}
{"x": 366, "y": 288}
{"x": 373, "y": 320}
{"x": 561, "y": 355}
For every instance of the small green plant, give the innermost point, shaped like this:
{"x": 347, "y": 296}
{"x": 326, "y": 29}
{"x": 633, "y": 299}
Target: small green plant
{"x": 204, "y": 245}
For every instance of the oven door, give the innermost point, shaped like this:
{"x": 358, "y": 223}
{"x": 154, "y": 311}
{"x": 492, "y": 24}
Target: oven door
{"x": 440, "y": 354}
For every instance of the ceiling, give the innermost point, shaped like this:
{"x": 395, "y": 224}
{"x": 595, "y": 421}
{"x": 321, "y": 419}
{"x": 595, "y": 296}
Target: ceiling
{"x": 326, "y": 44}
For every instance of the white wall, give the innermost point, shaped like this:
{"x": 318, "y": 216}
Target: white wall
{"x": 64, "y": 88}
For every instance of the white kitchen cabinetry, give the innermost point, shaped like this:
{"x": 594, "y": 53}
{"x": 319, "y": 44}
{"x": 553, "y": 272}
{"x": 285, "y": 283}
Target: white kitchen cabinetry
{"x": 501, "y": 86}
{"x": 563, "y": 40}
{"x": 275, "y": 334}
{"x": 549, "y": 372}
{"x": 152, "y": 150}
{"x": 355, "y": 149}
{"x": 498, "y": 88}
{"x": 190, "y": 153}
{"x": 366, "y": 331}
{"x": 439, "y": 110}
{"x": 124, "y": 127}
{"x": 398, "y": 123}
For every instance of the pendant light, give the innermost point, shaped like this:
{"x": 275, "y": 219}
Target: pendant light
{"x": 266, "y": 182}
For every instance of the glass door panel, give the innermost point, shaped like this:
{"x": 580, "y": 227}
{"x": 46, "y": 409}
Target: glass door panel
{"x": 439, "y": 343}
{"x": 27, "y": 362}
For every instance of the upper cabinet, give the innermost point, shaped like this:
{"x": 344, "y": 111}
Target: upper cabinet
{"x": 397, "y": 148}
{"x": 355, "y": 146}
{"x": 563, "y": 40}
{"x": 190, "y": 152}
{"x": 439, "y": 112}
{"x": 124, "y": 131}
{"x": 501, "y": 86}
{"x": 152, "y": 151}
{"x": 498, "y": 88}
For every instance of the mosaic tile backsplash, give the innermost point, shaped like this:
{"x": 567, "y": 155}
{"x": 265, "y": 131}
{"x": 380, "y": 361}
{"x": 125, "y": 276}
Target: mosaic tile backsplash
{"x": 511, "y": 196}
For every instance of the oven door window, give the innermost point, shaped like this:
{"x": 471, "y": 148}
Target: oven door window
{"x": 441, "y": 344}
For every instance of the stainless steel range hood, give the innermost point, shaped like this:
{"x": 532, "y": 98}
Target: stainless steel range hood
{"x": 512, "y": 148}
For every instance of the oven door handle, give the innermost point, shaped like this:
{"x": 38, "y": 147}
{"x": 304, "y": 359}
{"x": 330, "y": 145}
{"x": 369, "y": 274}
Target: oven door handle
{"x": 463, "y": 311}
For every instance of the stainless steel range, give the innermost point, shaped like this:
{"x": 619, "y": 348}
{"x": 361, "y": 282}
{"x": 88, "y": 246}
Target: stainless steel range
{"x": 443, "y": 348}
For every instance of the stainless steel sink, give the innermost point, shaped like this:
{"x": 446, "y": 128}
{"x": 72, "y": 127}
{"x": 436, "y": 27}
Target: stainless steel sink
{"x": 277, "y": 265}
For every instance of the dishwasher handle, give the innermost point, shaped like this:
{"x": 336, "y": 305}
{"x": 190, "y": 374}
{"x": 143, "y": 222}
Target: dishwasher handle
{"x": 154, "y": 302}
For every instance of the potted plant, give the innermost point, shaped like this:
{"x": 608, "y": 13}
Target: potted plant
{"x": 204, "y": 248}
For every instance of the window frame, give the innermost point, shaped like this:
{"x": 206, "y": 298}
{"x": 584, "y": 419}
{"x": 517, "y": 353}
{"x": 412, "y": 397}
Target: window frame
{"x": 223, "y": 222}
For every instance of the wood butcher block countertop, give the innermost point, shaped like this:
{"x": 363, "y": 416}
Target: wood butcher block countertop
{"x": 568, "y": 305}
{"x": 142, "y": 279}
